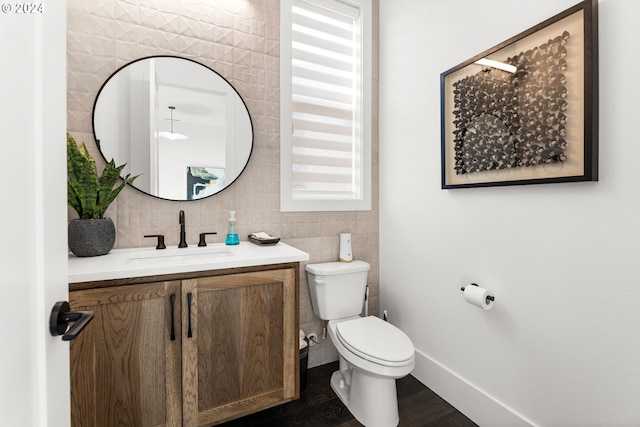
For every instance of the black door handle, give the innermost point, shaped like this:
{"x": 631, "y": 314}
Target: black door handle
{"x": 60, "y": 318}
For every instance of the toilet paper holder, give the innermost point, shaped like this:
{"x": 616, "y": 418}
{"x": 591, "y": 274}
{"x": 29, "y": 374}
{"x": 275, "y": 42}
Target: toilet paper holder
{"x": 490, "y": 297}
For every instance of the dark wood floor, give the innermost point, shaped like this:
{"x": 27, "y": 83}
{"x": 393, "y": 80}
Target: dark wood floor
{"x": 319, "y": 406}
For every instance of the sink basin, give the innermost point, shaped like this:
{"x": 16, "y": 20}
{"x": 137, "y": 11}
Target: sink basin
{"x": 193, "y": 255}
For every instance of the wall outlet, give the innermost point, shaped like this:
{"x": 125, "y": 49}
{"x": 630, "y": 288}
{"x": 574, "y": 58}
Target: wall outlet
{"x": 313, "y": 339}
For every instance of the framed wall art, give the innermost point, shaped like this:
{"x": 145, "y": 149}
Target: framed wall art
{"x": 526, "y": 110}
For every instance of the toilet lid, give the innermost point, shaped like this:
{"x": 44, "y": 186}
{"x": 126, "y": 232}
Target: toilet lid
{"x": 374, "y": 339}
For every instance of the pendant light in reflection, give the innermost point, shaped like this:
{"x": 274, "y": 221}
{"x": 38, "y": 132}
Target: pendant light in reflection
{"x": 173, "y": 136}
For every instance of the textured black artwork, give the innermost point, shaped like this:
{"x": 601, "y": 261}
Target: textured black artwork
{"x": 510, "y": 120}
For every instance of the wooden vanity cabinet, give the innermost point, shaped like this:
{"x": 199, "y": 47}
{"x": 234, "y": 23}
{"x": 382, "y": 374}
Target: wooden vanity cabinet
{"x": 235, "y": 349}
{"x": 125, "y": 369}
{"x": 243, "y": 354}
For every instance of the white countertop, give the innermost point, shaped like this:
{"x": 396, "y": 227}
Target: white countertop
{"x": 148, "y": 261}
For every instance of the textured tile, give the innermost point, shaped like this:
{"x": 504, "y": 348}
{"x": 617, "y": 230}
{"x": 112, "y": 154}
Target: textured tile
{"x": 127, "y": 32}
{"x": 192, "y": 27}
{"x": 223, "y": 35}
{"x": 103, "y": 8}
{"x": 126, "y": 12}
{"x": 170, "y": 22}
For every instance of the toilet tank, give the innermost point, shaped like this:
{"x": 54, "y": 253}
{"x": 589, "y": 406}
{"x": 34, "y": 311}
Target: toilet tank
{"x": 337, "y": 288}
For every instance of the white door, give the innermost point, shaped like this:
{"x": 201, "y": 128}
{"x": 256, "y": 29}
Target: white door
{"x": 34, "y": 366}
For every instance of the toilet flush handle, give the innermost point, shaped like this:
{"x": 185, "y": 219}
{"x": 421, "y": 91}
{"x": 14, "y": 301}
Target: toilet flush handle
{"x": 320, "y": 282}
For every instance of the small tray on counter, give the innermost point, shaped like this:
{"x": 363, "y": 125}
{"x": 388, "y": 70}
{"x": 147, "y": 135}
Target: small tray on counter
{"x": 263, "y": 242}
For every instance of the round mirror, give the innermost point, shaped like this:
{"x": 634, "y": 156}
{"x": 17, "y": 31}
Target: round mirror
{"x": 177, "y": 124}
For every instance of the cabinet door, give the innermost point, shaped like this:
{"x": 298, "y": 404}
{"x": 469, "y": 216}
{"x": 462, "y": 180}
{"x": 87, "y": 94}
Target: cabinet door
{"x": 125, "y": 366}
{"x": 242, "y": 355}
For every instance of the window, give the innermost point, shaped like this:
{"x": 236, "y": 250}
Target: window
{"x": 325, "y": 91}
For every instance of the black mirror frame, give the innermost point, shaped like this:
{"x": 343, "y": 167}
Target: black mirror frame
{"x": 95, "y": 137}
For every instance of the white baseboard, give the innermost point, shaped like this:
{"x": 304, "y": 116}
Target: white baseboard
{"x": 465, "y": 397}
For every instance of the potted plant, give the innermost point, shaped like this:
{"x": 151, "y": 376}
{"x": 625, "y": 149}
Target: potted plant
{"x": 90, "y": 194}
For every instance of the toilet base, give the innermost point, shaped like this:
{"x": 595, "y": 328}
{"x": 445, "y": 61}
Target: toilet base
{"x": 371, "y": 399}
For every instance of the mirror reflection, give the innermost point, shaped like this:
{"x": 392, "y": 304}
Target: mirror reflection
{"x": 175, "y": 122}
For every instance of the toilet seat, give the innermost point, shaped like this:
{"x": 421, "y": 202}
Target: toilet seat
{"x": 376, "y": 340}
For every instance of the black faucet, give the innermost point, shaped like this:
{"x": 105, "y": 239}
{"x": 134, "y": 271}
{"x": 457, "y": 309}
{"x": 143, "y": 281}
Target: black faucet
{"x": 183, "y": 240}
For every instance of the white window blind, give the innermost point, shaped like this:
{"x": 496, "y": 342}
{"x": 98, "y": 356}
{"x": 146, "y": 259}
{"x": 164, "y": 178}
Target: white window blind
{"x": 326, "y": 136}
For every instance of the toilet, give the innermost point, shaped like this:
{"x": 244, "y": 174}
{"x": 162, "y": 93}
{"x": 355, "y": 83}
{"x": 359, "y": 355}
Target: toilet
{"x": 373, "y": 353}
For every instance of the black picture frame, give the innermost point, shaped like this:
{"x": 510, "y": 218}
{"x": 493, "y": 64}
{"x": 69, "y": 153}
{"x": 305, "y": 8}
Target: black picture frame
{"x": 531, "y": 115}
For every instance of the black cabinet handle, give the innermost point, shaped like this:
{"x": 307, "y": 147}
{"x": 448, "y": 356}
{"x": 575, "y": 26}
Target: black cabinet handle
{"x": 189, "y": 297}
{"x": 60, "y": 318}
{"x": 172, "y": 298}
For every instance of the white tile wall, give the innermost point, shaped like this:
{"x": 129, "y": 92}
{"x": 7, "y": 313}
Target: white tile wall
{"x": 240, "y": 40}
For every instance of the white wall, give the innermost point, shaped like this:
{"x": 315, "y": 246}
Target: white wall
{"x": 562, "y": 345}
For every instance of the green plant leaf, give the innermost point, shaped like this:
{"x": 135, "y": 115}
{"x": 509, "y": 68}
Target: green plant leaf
{"x": 87, "y": 193}
{"x": 82, "y": 181}
{"x": 106, "y": 192}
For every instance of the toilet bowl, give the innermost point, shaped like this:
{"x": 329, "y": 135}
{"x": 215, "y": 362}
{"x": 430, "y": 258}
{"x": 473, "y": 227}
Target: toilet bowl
{"x": 372, "y": 353}
{"x": 366, "y": 380}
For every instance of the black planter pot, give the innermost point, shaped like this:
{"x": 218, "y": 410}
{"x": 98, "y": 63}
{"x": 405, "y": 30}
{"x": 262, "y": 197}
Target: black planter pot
{"x": 91, "y": 237}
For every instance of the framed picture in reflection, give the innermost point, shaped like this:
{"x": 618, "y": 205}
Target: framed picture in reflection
{"x": 526, "y": 110}
{"x": 203, "y": 181}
